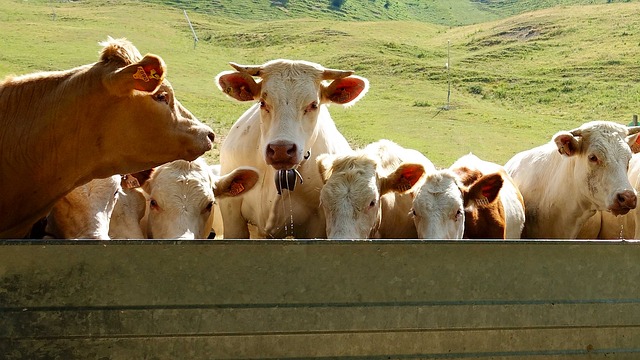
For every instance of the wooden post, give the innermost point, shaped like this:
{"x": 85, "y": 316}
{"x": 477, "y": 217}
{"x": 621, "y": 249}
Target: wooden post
{"x": 635, "y": 120}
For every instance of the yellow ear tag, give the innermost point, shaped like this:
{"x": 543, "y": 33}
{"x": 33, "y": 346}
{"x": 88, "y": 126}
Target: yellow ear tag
{"x": 154, "y": 75}
{"x": 236, "y": 188}
{"x": 141, "y": 74}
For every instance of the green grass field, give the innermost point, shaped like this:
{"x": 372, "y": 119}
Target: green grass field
{"x": 515, "y": 80}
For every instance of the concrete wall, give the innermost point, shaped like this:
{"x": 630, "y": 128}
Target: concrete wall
{"x": 319, "y": 299}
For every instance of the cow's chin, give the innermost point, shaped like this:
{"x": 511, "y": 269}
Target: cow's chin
{"x": 619, "y": 211}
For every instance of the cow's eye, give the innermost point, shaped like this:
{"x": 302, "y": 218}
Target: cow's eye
{"x": 263, "y": 106}
{"x": 209, "y": 206}
{"x": 154, "y": 204}
{"x": 593, "y": 158}
{"x": 311, "y": 107}
{"x": 161, "y": 97}
{"x": 459, "y": 214}
{"x": 413, "y": 212}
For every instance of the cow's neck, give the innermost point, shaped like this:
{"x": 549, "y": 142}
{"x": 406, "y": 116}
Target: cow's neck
{"x": 63, "y": 151}
{"x": 564, "y": 218}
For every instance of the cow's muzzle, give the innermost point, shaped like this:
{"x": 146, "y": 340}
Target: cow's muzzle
{"x": 624, "y": 202}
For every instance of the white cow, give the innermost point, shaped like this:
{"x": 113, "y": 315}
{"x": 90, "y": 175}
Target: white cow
{"x": 85, "y": 212}
{"x": 366, "y": 193}
{"x": 605, "y": 225}
{"x": 472, "y": 199}
{"x": 181, "y": 196}
{"x": 61, "y": 129}
{"x": 579, "y": 172}
{"x": 287, "y": 128}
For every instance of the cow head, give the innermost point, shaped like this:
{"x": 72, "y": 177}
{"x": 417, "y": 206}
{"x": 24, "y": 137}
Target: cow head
{"x": 291, "y": 97}
{"x": 353, "y": 185}
{"x": 443, "y": 205}
{"x": 148, "y": 124}
{"x": 601, "y": 151}
{"x": 181, "y": 197}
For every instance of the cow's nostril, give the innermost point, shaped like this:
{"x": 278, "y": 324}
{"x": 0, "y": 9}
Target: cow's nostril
{"x": 292, "y": 150}
{"x": 211, "y": 136}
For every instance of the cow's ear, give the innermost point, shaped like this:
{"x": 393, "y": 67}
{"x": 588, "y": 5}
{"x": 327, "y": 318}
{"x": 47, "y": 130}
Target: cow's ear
{"x": 239, "y": 85}
{"x": 346, "y": 91}
{"x": 146, "y": 75}
{"x": 484, "y": 191}
{"x": 325, "y": 166}
{"x": 567, "y": 144}
{"x": 634, "y": 142}
{"x": 236, "y": 182}
{"x": 402, "y": 179}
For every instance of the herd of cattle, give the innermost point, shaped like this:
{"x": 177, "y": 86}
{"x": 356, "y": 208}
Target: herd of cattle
{"x": 105, "y": 150}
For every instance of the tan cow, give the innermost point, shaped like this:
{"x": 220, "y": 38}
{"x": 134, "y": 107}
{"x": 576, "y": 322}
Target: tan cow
{"x": 365, "y": 193}
{"x": 286, "y": 128}
{"x": 61, "y": 129}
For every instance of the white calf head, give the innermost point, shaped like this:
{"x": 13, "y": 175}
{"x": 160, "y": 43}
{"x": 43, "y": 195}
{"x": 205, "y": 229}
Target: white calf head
{"x": 352, "y": 189}
{"x": 291, "y": 96}
{"x": 443, "y": 205}
{"x": 84, "y": 213}
{"x": 438, "y": 207}
{"x": 602, "y": 151}
{"x": 181, "y": 197}
{"x": 180, "y": 200}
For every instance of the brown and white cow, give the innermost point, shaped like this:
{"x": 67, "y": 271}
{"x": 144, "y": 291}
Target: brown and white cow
{"x": 365, "y": 193}
{"x": 473, "y": 199}
{"x": 61, "y": 129}
{"x": 579, "y": 172}
{"x": 287, "y": 127}
{"x": 85, "y": 212}
{"x": 182, "y": 194}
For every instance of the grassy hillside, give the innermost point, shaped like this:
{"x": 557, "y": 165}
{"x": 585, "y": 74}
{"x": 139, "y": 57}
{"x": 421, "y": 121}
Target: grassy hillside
{"x": 514, "y": 82}
{"x": 444, "y": 12}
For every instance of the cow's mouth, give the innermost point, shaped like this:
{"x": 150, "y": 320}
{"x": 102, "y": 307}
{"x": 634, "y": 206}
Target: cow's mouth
{"x": 283, "y": 166}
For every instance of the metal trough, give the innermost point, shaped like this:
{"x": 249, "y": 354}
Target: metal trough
{"x": 285, "y": 299}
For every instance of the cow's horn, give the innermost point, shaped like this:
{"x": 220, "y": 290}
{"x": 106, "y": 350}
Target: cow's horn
{"x": 333, "y": 74}
{"x": 253, "y": 70}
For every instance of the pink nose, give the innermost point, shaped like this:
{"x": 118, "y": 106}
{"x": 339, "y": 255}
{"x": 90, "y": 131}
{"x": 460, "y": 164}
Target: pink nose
{"x": 282, "y": 155}
{"x": 624, "y": 202}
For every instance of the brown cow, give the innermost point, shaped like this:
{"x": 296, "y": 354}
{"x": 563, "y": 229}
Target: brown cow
{"x": 59, "y": 130}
